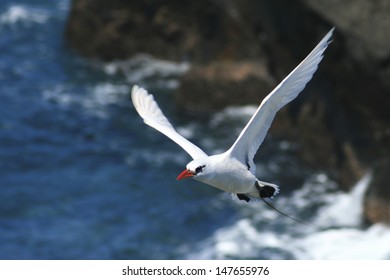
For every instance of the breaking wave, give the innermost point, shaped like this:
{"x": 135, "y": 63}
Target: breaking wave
{"x": 20, "y": 14}
{"x": 144, "y": 68}
{"x": 335, "y": 231}
{"x": 141, "y": 69}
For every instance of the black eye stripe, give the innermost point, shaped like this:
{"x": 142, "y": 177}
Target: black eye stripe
{"x": 199, "y": 169}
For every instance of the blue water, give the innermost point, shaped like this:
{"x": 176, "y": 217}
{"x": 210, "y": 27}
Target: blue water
{"x": 81, "y": 177}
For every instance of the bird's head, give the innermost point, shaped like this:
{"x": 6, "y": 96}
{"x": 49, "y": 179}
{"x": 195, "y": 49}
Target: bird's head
{"x": 195, "y": 169}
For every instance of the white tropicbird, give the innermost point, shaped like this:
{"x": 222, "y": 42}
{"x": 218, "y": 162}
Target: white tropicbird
{"x": 234, "y": 170}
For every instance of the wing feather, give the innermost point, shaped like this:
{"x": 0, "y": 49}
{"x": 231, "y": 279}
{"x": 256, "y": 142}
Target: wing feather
{"x": 152, "y": 115}
{"x": 251, "y": 137}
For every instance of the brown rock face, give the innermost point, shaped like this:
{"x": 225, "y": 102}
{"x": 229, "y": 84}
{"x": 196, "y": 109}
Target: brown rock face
{"x": 196, "y": 30}
{"x": 212, "y": 87}
{"x": 367, "y": 24}
{"x": 377, "y": 206}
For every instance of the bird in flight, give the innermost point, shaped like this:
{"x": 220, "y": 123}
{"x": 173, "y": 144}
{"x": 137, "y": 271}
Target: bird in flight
{"x": 234, "y": 170}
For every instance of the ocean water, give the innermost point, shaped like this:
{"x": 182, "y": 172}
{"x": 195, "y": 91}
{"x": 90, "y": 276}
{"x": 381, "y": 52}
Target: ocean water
{"x": 82, "y": 177}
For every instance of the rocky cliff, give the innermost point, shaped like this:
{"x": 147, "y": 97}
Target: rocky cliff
{"x": 239, "y": 50}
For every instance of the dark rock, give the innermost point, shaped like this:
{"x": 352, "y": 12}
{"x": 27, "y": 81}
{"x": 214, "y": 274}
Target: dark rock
{"x": 377, "y": 206}
{"x": 366, "y": 25}
{"x": 317, "y": 145}
{"x": 362, "y": 72}
{"x": 197, "y": 30}
{"x": 216, "y": 85}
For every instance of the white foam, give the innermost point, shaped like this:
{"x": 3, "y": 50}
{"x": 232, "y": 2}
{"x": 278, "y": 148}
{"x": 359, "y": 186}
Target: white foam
{"x": 17, "y": 13}
{"x": 94, "y": 100}
{"x": 144, "y": 68}
{"x": 330, "y": 236}
{"x": 346, "y": 243}
{"x": 188, "y": 131}
{"x": 107, "y": 94}
{"x": 59, "y": 95}
{"x": 344, "y": 209}
{"x": 319, "y": 189}
{"x": 139, "y": 69}
{"x": 238, "y": 113}
{"x": 244, "y": 240}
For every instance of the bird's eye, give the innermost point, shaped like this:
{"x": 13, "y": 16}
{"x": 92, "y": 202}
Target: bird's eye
{"x": 199, "y": 169}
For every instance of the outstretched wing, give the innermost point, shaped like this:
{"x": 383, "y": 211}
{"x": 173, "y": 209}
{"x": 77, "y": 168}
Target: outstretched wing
{"x": 152, "y": 115}
{"x": 251, "y": 137}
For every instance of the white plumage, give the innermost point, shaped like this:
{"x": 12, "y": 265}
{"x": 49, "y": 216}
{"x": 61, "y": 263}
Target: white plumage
{"x": 152, "y": 115}
{"x": 234, "y": 170}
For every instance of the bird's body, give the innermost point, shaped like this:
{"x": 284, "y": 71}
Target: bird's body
{"x": 234, "y": 177}
{"x": 234, "y": 170}
{"x": 228, "y": 174}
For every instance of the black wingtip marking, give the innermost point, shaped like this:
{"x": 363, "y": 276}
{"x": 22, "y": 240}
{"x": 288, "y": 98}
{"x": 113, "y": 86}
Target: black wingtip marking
{"x": 243, "y": 197}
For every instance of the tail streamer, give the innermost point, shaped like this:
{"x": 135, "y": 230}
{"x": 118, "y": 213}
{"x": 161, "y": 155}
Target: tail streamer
{"x": 284, "y": 214}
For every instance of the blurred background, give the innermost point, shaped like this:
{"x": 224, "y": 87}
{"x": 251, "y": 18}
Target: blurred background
{"x": 82, "y": 177}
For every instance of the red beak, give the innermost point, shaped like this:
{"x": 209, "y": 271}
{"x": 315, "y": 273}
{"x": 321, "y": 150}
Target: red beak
{"x": 185, "y": 174}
